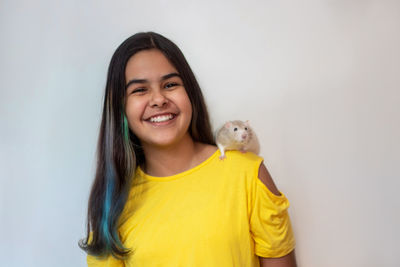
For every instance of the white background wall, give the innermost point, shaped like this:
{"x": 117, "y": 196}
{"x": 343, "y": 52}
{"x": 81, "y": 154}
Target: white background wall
{"x": 318, "y": 80}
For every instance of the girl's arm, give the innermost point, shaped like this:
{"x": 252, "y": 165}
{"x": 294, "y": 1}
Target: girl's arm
{"x": 286, "y": 261}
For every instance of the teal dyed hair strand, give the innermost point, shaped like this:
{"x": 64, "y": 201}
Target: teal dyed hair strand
{"x": 125, "y": 128}
{"x": 107, "y": 226}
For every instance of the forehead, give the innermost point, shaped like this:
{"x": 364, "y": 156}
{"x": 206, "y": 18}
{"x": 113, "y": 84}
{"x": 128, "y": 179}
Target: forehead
{"x": 148, "y": 64}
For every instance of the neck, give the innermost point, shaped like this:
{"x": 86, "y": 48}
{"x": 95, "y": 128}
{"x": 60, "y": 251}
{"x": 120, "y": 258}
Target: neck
{"x": 167, "y": 161}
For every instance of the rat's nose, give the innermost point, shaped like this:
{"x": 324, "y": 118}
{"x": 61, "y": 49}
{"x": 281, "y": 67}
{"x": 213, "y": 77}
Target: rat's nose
{"x": 244, "y": 136}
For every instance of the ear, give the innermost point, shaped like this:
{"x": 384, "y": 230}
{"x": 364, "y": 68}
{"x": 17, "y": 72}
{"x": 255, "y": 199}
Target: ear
{"x": 228, "y": 124}
{"x": 247, "y": 123}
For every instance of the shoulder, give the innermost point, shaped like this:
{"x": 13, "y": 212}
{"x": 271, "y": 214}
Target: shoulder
{"x": 248, "y": 158}
{"x": 255, "y": 164}
{"x": 204, "y": 152}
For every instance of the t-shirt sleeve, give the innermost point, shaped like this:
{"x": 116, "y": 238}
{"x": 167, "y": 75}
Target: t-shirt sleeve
{"x": 270, "y": 225}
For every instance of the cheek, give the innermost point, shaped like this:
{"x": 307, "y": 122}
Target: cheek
{"x": 186, "y": 104}
{"x": 189, "y": 108}
{"x": 134, "y": 112}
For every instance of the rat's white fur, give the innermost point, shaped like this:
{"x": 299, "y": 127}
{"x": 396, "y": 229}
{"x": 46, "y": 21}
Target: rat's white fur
{"x": 236, "y": 135}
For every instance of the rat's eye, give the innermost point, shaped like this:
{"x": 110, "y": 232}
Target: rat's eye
{"x": 245, "y": 128}
{"x": 235, "y": 129}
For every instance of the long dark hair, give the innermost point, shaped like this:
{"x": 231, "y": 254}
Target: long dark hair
{"x": 119, "y": 150}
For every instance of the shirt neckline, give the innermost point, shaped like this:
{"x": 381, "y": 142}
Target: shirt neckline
{"x": 178, "y": 175}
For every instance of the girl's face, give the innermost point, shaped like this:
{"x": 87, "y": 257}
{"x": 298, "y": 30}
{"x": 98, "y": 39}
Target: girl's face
{"x": 157, "y": 106}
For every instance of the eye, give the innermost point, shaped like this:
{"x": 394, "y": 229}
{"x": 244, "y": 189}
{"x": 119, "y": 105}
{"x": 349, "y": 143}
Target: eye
{"x": 139, "y": 90}
{"x": 245, "y": 128}
{"x": 235, "y": 129}
{"x": 170, "y": 85}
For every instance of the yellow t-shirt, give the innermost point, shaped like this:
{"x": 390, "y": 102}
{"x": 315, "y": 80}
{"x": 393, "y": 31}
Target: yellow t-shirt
{"x": 218, "y": 214}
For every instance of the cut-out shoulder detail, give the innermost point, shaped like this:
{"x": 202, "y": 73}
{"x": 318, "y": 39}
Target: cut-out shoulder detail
{"x": 266, "y": 179}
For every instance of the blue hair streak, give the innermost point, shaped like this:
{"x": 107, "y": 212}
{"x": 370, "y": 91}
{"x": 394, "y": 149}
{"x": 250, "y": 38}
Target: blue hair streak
{"x": 108, "y": 227}
{"x": 128, "y": 147}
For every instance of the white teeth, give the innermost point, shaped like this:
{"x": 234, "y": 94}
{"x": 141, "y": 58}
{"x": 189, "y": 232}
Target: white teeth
{"x": 161, "y": 118}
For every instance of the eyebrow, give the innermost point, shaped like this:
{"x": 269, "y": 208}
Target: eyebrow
{"x": 163, "y": 78}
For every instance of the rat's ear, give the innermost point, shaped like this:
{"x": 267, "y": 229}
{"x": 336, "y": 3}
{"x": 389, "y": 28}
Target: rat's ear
{"x": 228, "y": 124}
{"x": 246, "y": 123}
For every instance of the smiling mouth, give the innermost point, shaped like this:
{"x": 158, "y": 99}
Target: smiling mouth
{"x": 162, "y": 118}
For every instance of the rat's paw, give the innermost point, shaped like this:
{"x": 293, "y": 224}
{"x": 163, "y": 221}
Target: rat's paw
{"x": 222, "y": 157}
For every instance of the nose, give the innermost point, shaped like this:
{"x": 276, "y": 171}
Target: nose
{"x": 158, "y": 99}
{"x": 244, "y": 136}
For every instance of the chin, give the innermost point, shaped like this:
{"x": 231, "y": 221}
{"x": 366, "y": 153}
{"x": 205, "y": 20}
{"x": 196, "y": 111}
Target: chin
{"x": 161, "y": 140}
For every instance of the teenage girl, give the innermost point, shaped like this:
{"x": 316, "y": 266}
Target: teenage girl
{"x": 161, "y": 195}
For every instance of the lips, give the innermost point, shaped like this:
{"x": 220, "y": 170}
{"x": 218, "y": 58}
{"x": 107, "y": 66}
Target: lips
{"x": 158, "y": 118}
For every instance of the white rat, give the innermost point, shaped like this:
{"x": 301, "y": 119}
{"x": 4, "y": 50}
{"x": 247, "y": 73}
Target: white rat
{"x": 236, "y": 135}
